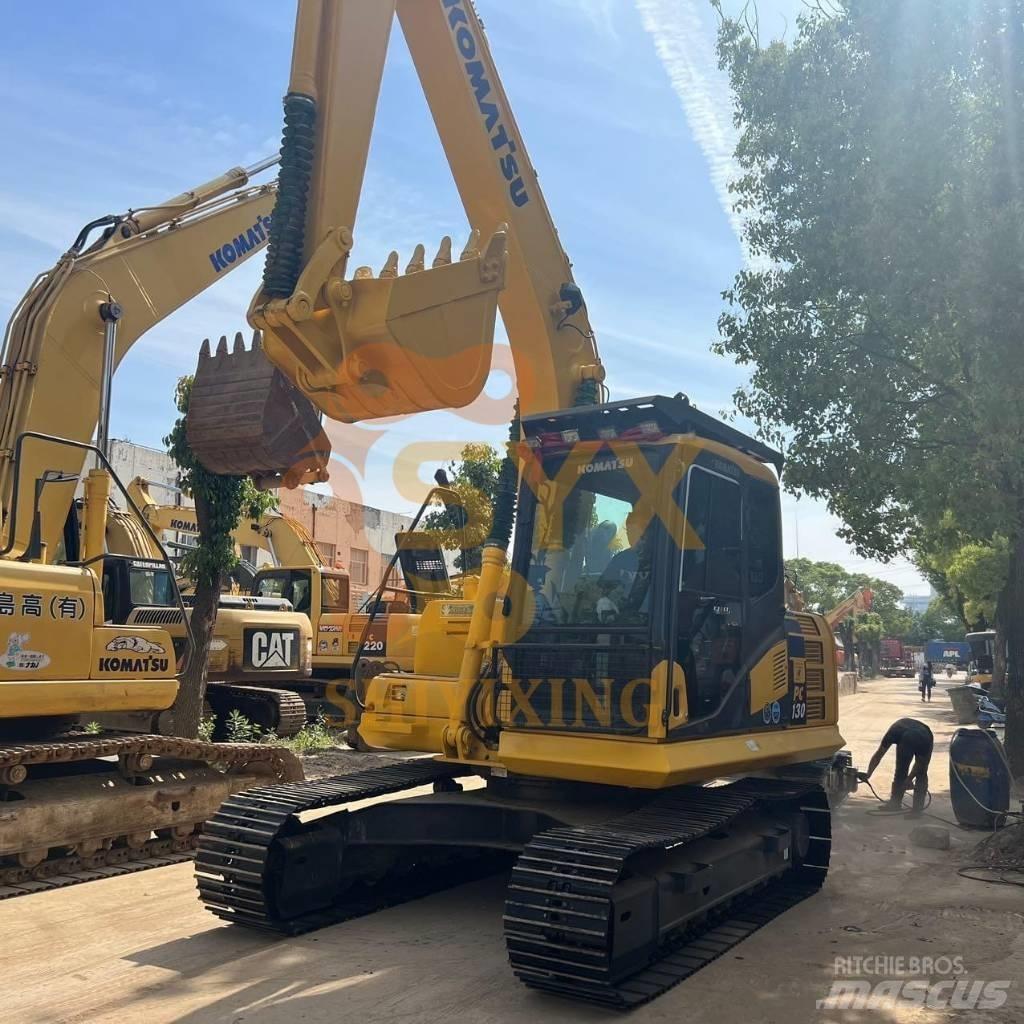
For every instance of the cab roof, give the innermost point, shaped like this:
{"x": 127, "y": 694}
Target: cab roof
{"x": 642, "y": 419}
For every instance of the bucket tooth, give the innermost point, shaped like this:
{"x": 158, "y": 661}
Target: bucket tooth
{"x": 472, "y": 249}
{"x": 246, "y": 419}
{"x": 444, "y": 253}
{"x": 368, "y": 347}
{"x": 418, "y": 261}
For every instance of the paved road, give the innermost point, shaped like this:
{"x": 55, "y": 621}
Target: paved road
{"x": 139, "y": 948}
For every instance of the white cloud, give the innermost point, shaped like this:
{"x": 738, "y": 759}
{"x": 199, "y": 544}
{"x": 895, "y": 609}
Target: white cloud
{"x": 685, "y": 43}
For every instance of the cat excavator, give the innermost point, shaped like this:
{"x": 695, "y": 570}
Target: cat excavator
{"x": 90, "y": 654}
{"x": 624, "y": 712}
{"x": 322, "y": 596}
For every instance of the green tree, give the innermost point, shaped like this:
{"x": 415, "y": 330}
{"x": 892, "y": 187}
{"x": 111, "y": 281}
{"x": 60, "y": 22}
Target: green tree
{"x": 825, "y": 585}
{"x": 978, "y": 572}
{"x": 464, "y": 529}
{"x": 882, "y": 312}
{"x": 937, "y": 622}
{"x": 221, "y": 501}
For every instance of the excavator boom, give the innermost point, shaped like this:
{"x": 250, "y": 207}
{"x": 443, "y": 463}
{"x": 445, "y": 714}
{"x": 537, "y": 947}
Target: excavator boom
{"x": 358, "y": 347}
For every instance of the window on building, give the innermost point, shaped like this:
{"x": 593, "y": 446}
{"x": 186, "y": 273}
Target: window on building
{"x": 358, "y": 598}
{"x": 395, "y": 576}
{"x": 359, "y": 566}
{"x": 327, "y": 551}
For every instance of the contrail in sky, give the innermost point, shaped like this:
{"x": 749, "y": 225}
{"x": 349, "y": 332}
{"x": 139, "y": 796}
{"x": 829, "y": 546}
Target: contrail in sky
{"x": 687, "y": 50}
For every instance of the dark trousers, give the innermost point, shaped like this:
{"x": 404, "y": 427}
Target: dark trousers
{"x": 905, "y": 754}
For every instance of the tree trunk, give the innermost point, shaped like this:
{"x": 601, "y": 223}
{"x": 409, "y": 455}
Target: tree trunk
{"x": 1011, "y": 619}
{"x": 188, "y": 707}
{"x": 998, "y": 687}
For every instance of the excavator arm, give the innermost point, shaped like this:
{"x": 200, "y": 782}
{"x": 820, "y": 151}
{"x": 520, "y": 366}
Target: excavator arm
{"x": 365, "y": 346}
{"x": 857, "y": 603}
{"x": 143, "y": 267}
{"x": 286, "y": 540}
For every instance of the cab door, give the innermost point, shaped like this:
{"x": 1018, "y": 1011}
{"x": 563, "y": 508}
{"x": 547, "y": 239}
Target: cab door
{"x": 709, "y": 617}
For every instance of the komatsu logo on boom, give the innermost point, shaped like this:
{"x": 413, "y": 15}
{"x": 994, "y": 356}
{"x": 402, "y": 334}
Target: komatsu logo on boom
{"x": 502, "y": 143}
{"x": 239, "y": 247}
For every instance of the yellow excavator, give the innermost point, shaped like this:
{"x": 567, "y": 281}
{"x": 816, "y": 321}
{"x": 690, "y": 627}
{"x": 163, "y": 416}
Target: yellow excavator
{"x": 318, "y": 595}
{"x": 88, "y": 641}
{"x": 630, "y": 717}
{"x": 260, "y": 646}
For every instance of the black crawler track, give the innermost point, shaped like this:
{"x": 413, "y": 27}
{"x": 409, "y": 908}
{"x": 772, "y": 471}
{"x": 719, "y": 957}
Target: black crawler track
{"x": 234, "y": 863}
{"x": 559, "y": 912}
{"x": 559, "y": 920}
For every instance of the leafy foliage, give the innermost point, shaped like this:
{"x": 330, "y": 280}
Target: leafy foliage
{"x": 475, "y": 480}
{"x": 825, "y": 584}
{"x": 978, "y": 572}
{"x": 882, "y": 312}
{"x": 937, "y": 622}
{"x": 220, "y": 503}
{"x": 239, "y": 729}
{"x": 880, "y": 162}
{"x": 225, "y": 499}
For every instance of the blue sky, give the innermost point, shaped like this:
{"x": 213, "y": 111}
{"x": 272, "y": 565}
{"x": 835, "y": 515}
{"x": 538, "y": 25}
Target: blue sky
{"x": 621, "y": 105}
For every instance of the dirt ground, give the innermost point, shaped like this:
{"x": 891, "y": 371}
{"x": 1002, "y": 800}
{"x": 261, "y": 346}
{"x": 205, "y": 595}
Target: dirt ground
{"x": 140, "y": 948}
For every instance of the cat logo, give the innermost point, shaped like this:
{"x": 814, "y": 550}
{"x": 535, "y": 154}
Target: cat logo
{"x": 271, "y": 649}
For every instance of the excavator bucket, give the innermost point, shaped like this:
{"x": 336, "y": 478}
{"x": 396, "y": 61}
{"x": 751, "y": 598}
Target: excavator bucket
{"x": 246, "y": 419}
{"x": 390, "y": 344}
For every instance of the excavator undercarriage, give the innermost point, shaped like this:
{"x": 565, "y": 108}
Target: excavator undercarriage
{"x": 615, "y": 894}
{"x": 75, "y": 808}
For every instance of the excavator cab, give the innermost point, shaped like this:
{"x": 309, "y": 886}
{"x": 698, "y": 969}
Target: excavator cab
{"x": 647, "y": 577}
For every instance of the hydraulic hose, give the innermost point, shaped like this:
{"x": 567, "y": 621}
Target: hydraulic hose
{"x": 288, "y": 222}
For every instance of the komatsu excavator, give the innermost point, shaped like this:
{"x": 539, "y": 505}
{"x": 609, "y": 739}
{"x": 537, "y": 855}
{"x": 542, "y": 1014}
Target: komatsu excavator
{"x": 85, "y": 640}
{"x": 631, "y": 717}
{"x": 376, "y": 639}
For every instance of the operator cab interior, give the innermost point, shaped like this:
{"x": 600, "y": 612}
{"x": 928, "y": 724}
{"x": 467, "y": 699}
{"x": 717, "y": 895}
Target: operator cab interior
{"x": 296, "y": 586}
{"x": 642, "y": 540}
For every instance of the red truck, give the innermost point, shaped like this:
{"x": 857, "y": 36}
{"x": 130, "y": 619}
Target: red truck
{"x": 897, "y": 659}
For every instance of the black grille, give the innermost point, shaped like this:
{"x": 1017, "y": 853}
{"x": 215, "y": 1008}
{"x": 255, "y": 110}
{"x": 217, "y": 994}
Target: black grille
{"x": 576, "y": 681}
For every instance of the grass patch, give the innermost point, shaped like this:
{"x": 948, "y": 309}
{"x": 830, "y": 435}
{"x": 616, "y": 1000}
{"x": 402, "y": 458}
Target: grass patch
{"x": 312, "y": 737}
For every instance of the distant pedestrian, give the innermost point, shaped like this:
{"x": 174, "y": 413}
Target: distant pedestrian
{"x": 914, "y": 742}
{"x": 927, "y": 681}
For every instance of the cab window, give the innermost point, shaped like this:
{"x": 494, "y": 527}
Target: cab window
{"x": 713, "y": 557}
{"x": 763, "y": 528}
{"x": 333, "y": 594}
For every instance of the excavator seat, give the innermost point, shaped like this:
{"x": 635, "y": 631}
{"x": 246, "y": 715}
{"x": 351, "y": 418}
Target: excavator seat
{"x": 246, "y": 419}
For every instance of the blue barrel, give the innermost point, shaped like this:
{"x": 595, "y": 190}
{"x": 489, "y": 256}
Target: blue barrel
{"x": 978, "y": 779}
